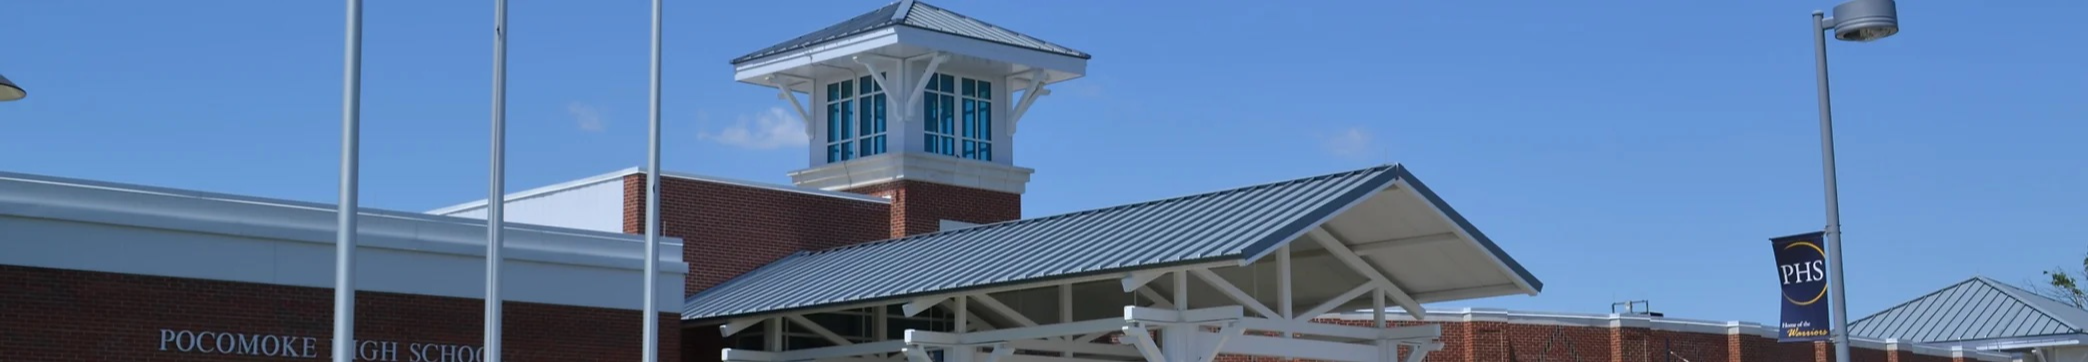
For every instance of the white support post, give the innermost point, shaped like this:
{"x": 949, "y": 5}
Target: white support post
{"x": 1340, "y": 251}
{"x": 963, "y": 306}
{"x": 772, "y": 334}
{"x": 1284, "y": 303}
{"x": 1179, "y": 340}
{"x": 1065, "y": 295}
{"x": 1234, "y": 292}
{"x": 1377, "y": 319}
{"x": 878, "y": 323}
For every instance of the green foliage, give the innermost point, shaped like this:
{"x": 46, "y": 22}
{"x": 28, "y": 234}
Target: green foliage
{"x": 2065, "y": 286}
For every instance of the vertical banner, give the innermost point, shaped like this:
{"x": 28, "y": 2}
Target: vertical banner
{"x": 1801, "y": 268}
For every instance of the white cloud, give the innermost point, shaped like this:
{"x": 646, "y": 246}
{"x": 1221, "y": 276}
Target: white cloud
{"x": 777, "y": 127}
{"x": 588, "y": 118}
{"x": 1353, "y": 142}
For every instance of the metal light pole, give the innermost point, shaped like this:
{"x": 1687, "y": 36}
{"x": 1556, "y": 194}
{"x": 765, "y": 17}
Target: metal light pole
{"x": 495, "y": 198}
{"x": 652, "y": 202}
{"x": 344, "y": 234}
{"x": 1858, "y": 21}
{"x": 9, "y": 91}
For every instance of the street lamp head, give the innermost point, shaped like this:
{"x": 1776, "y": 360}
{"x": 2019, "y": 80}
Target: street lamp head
{"x": 1865, "y": 20}
{"x": 9, "y": 91}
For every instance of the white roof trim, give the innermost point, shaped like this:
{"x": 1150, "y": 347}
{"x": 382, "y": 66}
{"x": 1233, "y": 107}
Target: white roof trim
{"x": 619, "y": 174}
{"x": 36, "y": 196}
{"x": 1642, "y": 321}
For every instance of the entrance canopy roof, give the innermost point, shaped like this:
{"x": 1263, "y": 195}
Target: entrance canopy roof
{"x": 1379, "y": 219}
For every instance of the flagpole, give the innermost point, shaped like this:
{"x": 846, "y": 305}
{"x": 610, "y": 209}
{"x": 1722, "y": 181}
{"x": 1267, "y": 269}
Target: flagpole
{"x": 344, "y": 234}
{"x": 652, "y": 202}
{"x": 495, "y": 200}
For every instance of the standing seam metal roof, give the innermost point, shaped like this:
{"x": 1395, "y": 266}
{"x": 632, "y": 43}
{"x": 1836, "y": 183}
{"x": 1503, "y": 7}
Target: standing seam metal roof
{"x": 1978, "y": 308}
{"x": 919, "y": 15}
{"x": 1230, "y": 224}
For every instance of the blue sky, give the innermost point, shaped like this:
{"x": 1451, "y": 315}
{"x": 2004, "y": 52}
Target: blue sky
{"x": 1623, "y": 150}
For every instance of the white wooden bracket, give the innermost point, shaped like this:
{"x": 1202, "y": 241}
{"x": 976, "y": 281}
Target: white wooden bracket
{"x": 1340, "y": 251}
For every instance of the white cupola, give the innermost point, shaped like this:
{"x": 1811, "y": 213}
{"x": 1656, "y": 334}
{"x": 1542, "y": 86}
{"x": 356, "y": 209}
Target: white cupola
{"x": 911, "y": 91}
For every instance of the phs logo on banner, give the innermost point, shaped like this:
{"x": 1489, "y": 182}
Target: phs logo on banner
{"x": 1801, "y": 268}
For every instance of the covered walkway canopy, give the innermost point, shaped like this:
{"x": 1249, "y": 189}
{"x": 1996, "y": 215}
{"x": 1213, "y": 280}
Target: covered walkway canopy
{"x": 1180, "y": 279}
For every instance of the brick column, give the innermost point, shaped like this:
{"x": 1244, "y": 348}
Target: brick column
{"x": 1892, "y": 350}
{"x": 1822, "y": 352}
{"x": 1628, "y": 336}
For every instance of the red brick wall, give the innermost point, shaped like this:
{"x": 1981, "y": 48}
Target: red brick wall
{"x": 72, "y": 315}
{"x": 920, "y": 207}
{"x": 728, "y": 230}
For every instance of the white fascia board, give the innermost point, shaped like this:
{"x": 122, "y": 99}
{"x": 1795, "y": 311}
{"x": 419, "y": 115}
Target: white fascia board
{"x": 1071, "y": 67}
{"x": 753, "y": 71}
{"x": 1444, "y": 217}
{"x": 548, "y": 189}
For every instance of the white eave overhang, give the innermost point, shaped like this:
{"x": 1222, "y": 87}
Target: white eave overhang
{"x": 906, "y": 42}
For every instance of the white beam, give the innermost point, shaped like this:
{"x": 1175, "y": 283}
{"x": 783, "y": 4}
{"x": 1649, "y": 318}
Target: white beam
{"x": 921, "y": 337}
{"x": 1006, "y": 288}
{"x": 999, "y": 352}
{"x": 1042, "y": 331}
{"x": 840, "y": 351}
{"x": 1197, "y": 316}
{"x": 1158, "y": 300}
{"x": 742, "y": 355}
{"x": 736, "y": 325}
{"x": 1137, "y": 279}
{"x": 1301, "y": 348}
{"x": 917, "y": 306}
{"x": 913, "y": 96}
{"x": 1227, "y": 333}
{"x": 1418, "y": 353}
{"x": 1144, "y": 341}
{"x": 916, "y": 354}
{"x": 1036, "y": 89}
{"x": 1234, "y": 292}
{"x": 1341, "y": 252}
{"x": 772, "y": 334}
{"x": 1075, "y": 347}
{"x": 800, "y": 320}
{"x": 1181, "y": 290}
{"x": 875, "y": 75}
{"x": 1404, "y": 333}
{"x": 783, "y": 91}
{"x": 998, "y": 308}
{"x": 1335, "y": 302}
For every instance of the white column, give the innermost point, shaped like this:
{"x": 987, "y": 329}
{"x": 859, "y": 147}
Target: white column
{"x": 961, "y": 354}
{"x": 1178, "y": 342}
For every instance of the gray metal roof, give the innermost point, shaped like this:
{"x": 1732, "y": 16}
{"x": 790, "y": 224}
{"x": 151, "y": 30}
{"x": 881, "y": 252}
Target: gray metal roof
{"x": 1218, "y": 226}
{"x": 918, "y": 15}
{"x": 1979, "y": 308}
